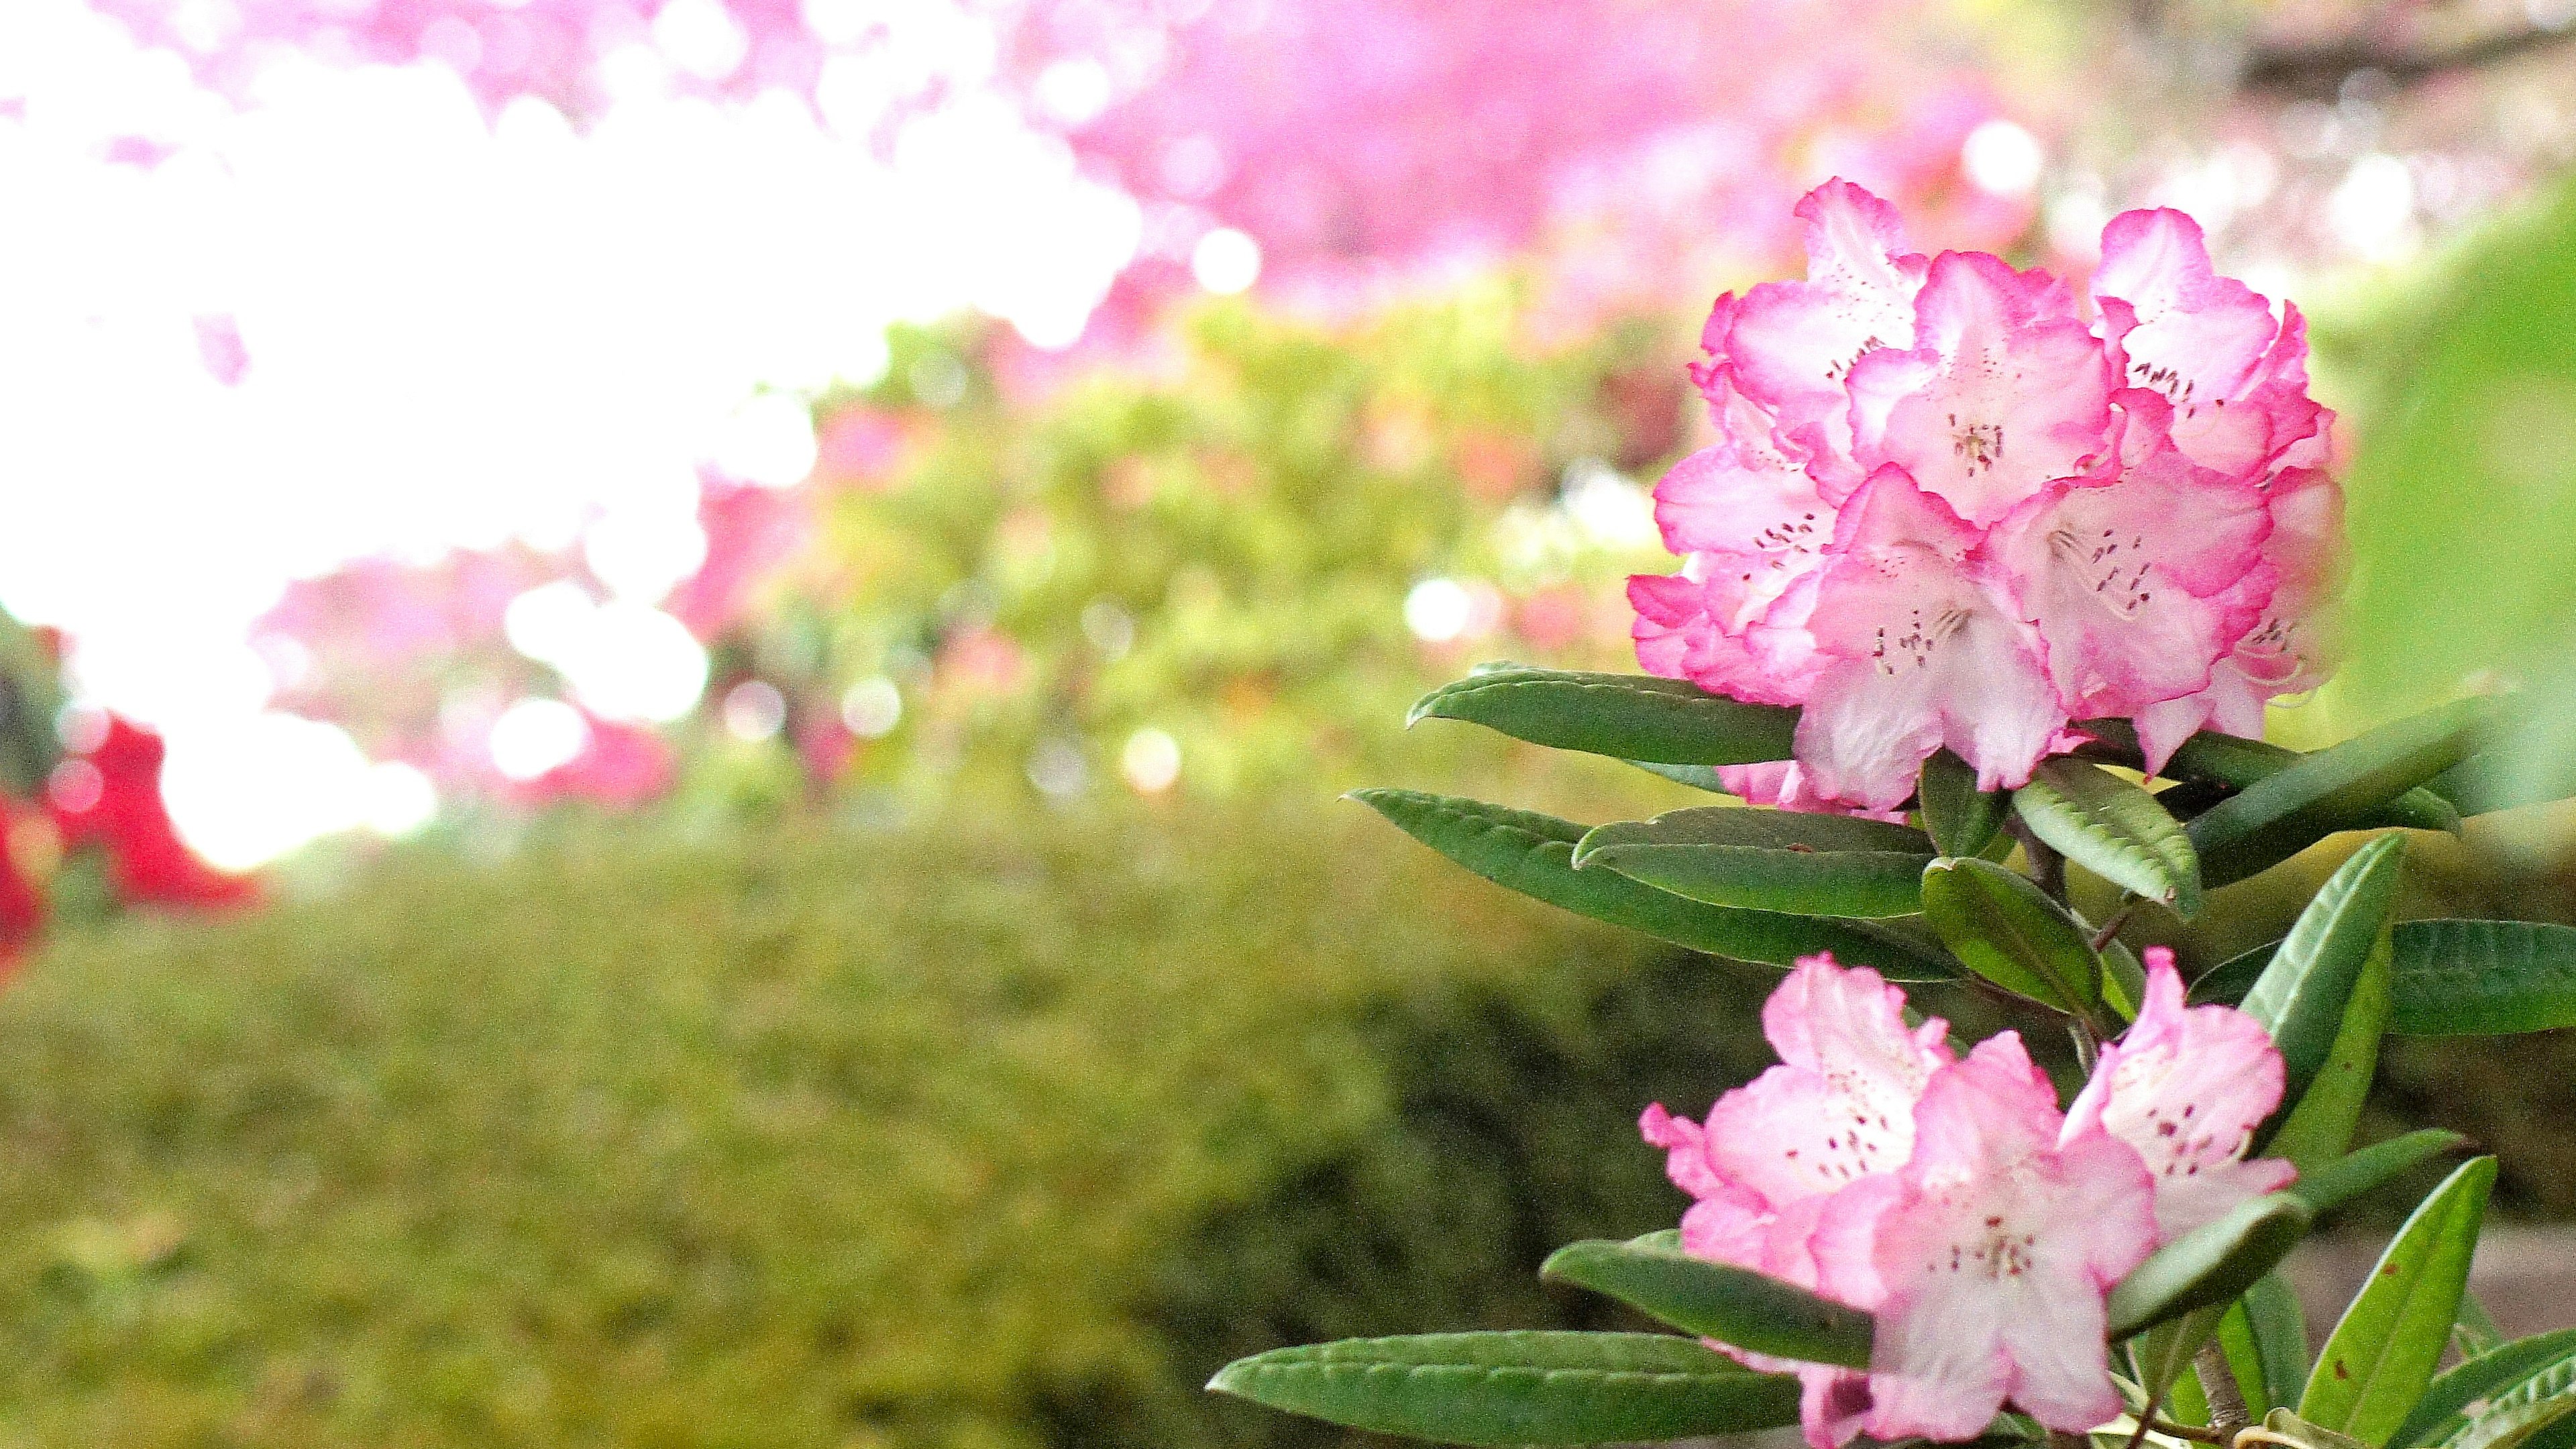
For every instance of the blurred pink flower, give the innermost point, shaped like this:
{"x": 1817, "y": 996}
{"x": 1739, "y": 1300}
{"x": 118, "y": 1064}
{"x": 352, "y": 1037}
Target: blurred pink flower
{"x": 750, "y": 531}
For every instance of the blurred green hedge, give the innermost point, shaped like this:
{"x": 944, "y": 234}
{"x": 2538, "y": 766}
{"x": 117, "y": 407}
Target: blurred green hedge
{"x": 974, "y": 1133}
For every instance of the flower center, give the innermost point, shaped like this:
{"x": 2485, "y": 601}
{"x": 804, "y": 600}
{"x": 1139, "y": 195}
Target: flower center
{"x": 1912, "y": 648}
{"x": 2118, "y": 570}
{"x": 1979, "y": 445}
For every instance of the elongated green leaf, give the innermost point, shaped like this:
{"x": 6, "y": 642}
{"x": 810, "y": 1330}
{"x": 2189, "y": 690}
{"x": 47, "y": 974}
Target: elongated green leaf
{"x": 2444, "y": 1409}
{"x": 1517, "y": 1388}
{"x": 1719, "y": 1301}
{"x": 2319, "y": 1128}
{"x": 1962, "y": 818}
{"x": 2234, "y": 762}
{"x": 2007, "y": 930}
{"x": 1772, "y": 860}
{"x": 2482, "y": 978}
{"x": 2519, "y": 1413}
{"x": 2338, "y": 1182}
{"x": 2301, "y": 995}
{"x": 2124, "y": 978}
{"x": 2209, "y": 1265}
{"x": 2113, "y": 829}
{"x": 2280, "y": 1336}
{"x": 1625, "y": 716}
{"x": 2490, "y": 781}
{"x": 1698, "y": 777}
{"x": 1534, "y": 854}
{"x": 2244, "y": 1358}
{"x": 2163, "y": 1355}
{"x": 2381, "y": 1356}
{"x": 2331, "y": 790}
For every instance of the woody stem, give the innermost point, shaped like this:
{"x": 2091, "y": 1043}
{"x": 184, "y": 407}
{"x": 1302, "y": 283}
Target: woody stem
{"x": 2227, "y": 1411}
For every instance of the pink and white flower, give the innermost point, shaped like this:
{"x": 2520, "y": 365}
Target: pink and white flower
{"x": 2185, "y": 1088}
{"x": 1982, "y": 1227}
{"x": 2120, "y": 517}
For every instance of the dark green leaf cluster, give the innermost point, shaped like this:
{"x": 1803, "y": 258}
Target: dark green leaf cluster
{"x": 1939, "y": 899}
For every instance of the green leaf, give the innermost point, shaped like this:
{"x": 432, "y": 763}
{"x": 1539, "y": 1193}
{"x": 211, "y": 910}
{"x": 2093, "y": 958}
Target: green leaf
{"x": 2299, "y": 1431}
{"x": 2244, "y": 1357}
{"x": 2007, "y": 930}
{"x": 2164, "y": 1354}
{"x": 2210, "y": 1265}
{"x": 1625, "y": 716}
{"x": 2381, "y": 1357}
{"x": 2235, "y": 762}
{"x": 2301, "y": 995}
{"x": 1534, "y": 854}
{"x": 2319, "y": 1129}
{"x": 1962, "y": 818}
{"x": 1772, "y": 860}
{"x": 2518, "y": 1413}
{"x": 1717, "y": 1300}
{"x": 2444, "y": 1409}
{"x": 2348, "y": 1177}
{"x": 2482, "y": 978}
{"x": 1517, "y": 1388}
{"x": 2331, "y": 790}
{"x": 2280, "y": 1336}
{"x": 2474, "y": 1332}
{"x": 2124, "y": 979}
{"x": 1698, "y": 777}
{"x": 2112, "y": 828}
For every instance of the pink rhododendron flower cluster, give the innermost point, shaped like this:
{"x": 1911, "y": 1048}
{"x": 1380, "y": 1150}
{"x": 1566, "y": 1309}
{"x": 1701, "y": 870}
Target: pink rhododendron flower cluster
{"x": 1952, "y": 504}
{"x": 1950, "y": 1197}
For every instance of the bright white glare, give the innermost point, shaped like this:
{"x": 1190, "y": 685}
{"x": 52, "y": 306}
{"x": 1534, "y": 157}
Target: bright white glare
{"x": 872, "y": 707}
{"x": 1074, "y": 90}
{"x": 768, "y": 440}
{"x": 641, "y": 553}
{"x": 1438, "y": 610}
{"x": 1151, "y": 761}
{"x": 1226, "y": 261}
{"x": 1612, "y": 511}
{"x": 246, "y": 790}
{"x": 637, "y": 663}
{"x": 2002, "y": 158}
{"x": 398, "y": 800}
{"x": 549, "y": 622}
{"x": 2373, "y": 210}
{"x": 537, "y": 735}
{"x": 754, "y": 710}
{"x": 458, "y": 332}
{"x": 700, "y": 37}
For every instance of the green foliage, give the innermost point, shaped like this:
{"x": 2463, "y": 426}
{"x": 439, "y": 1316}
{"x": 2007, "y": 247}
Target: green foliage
{"x": 1518, "y": 1388}
{"x": 2009, "y": 932}
{"x": 2301, "y": 996}
{"x": 1717, "y": 1300}
{"x": 2112, "y": 828}
{"x": 1534, "y": 854}
{"x": 636, "y": 1140}
{"x": 2210, "y": 1265}
{"x": 2341, "y": 788}
{"x": 2378, "y": 1362}
{"x": 1776, "y": 860}
{"x": 1625, "y": 716}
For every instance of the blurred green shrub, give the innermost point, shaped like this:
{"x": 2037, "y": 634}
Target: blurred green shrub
{"x": 971, "y": 1134}
{"x": 1263, "y": 548}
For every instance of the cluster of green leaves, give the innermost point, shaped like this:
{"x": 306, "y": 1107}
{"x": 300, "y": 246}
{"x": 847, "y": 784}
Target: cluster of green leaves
{"x": 1937, "y": 900}
{"x": 753, "y": 1140}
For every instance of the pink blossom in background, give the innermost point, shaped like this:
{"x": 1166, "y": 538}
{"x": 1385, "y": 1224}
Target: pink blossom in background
{"x": 1953, "y": 1200}
{"x": 620, "y": 765}
{"x": 1952, "y": 504}
{"x": 750, "y": 530}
